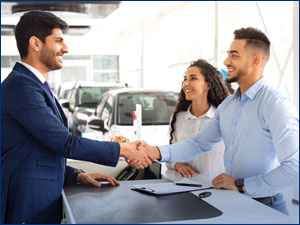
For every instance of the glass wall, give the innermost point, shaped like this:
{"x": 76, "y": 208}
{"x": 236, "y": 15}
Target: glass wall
{"x": 165, "y": 36}
{"x": 273, "y": 18}
{"x": 102, "y": 68}
{"x": 151, "y": 43}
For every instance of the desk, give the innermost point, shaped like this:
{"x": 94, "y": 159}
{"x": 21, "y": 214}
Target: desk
{"x": 236, "y": 207}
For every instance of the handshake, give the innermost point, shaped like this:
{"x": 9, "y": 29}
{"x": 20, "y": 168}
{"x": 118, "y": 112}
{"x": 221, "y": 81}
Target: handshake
{"x": 139, "y": 154}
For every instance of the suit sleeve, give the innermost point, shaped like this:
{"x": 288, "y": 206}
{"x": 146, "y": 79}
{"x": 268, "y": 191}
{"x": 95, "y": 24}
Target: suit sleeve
{"x": 27, "y": 105}
{"x": 69, "y": 175}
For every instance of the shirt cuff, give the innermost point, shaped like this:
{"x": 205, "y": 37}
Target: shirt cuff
{"x": 171, "y": 165}
{"x": 165, "y": 153}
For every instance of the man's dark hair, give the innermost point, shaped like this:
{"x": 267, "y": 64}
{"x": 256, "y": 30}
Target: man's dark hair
{"x": 255, "y": 39}
{"x": 36, "y": 23}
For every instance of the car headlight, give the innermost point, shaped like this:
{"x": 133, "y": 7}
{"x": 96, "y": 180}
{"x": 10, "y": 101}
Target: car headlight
{"x": 82, "y": 116}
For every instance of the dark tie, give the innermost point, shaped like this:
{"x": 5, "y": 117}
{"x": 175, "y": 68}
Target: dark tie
{"x": 47, "y": 85}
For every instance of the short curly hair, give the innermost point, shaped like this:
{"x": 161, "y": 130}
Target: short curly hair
{"x": 255, "y": 39}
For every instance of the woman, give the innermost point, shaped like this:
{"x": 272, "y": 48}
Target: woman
{"x": 203, "y": 89}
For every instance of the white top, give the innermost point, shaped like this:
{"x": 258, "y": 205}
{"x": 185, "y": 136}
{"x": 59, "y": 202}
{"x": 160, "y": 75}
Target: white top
{"x": 209, "y": 164}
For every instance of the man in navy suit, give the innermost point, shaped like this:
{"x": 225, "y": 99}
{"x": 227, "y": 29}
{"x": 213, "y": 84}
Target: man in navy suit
{"x": 35, "y": 138}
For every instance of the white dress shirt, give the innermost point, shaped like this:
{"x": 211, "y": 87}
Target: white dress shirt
{"x": 35, "y": 72}
{"x": 211, "y": 163}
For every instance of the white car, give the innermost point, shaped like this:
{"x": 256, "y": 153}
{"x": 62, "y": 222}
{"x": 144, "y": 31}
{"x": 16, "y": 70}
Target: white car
{"x": 113, "y": 115}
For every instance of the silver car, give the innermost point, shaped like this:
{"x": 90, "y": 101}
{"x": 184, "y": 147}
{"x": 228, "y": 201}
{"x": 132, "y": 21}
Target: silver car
{"x": 113, "y": 116}
{"x": 82, "y": 101}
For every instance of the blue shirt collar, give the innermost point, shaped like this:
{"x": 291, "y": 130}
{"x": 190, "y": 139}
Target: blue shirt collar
{"x": 252, "y": 91}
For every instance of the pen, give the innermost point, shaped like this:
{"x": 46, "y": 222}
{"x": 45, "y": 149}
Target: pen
{"x": 189, "y": 184}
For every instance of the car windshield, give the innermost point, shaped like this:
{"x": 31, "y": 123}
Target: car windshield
{"x": 90, "y": 96}
{"x": 156, "y": 107}
{"x": 65, "y": 94}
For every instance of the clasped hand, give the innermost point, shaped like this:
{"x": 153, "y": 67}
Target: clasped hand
{"x": 139, "y": 154}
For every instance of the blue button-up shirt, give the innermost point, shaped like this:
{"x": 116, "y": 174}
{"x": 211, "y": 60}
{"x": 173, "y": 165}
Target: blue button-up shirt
{"x": 260, "y": 130}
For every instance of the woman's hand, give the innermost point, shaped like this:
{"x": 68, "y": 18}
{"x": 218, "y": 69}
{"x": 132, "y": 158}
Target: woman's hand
{"x": 184, "y": 170}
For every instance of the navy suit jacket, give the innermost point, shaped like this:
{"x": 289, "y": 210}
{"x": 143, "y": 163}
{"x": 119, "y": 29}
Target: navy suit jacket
{"x": 35, "y": 143}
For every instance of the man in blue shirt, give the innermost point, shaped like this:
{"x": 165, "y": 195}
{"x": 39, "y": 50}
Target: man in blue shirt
{"x": 259, "y": 127}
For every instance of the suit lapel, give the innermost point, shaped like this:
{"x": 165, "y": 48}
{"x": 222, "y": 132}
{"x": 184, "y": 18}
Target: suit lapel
{"x": 62, "y": 113}
{"x": 53, "y": 104}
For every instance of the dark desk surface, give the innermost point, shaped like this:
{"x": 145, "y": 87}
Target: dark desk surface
{"x": 87, "y": 204}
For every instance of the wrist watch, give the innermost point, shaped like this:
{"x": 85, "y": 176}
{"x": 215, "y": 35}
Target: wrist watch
{"x": 240, "y": 184}
{"x": 75, "y": 175}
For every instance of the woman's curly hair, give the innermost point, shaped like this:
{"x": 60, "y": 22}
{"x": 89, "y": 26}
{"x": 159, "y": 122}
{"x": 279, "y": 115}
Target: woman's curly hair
{"x": 217, "y": 92}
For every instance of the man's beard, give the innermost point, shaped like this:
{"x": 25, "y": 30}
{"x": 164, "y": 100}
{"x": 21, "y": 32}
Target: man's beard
{"x": 233, "y": 79}
{"x": 48, "y": 58}
{"x": 237, "y": 77}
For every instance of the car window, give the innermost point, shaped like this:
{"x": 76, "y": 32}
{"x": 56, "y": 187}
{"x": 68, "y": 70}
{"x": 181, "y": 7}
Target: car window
{"x": 156, "y": 107}
{"x": 65, "y": 94}
{"x": 107, "y": 109}
{"x": 58, "y": 92}
{"x": 90, "y": 96}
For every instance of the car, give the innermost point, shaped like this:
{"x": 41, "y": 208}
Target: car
{"x": 64, "y": 89}
{"x": 113, "y": 117}
{"x": 83, "y": 99}
{"x": 63, "y": 92}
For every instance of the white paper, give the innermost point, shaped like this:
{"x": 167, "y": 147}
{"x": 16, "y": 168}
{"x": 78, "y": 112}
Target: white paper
{"x": 169, "y": 188}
